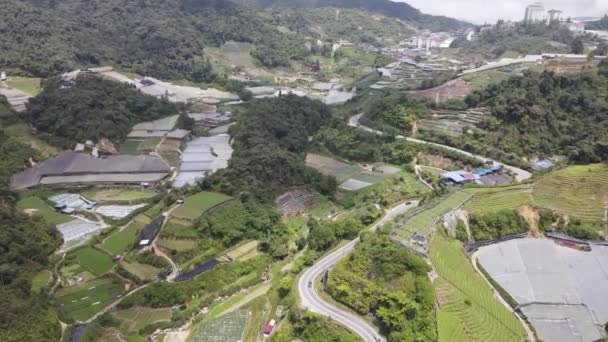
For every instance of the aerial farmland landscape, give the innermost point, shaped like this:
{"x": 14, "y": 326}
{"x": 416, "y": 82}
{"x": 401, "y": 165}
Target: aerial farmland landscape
{"x": 303, "y": 171}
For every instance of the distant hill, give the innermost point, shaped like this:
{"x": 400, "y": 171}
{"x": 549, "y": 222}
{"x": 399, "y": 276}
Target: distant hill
{"x": 387, "y": 8}
{"x": 598, "y": 25}
{"x": 161, "y": 38}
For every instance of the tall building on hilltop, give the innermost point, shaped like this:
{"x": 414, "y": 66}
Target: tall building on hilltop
{"x": 535, "y": 12}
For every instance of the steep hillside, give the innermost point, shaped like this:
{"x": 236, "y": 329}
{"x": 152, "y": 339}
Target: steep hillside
{"x": 164, "y": 39}
{"x": 387, "y": 8}
{"x": 328, "y": 23}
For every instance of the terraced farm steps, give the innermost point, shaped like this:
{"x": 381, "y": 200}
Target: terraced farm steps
{"x": 468, "y": 310}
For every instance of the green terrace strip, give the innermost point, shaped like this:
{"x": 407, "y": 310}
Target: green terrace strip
{"x": 487, "y": 202}
{"x": 136, "y": 318}
{"x": 94, "y": 260}
{"x": 196, "y": 205}
{"x": 119, "y": 242}
{"x": 229, "y": 327}
{"x": 118, "y": 195}
{"x": 468, "y": 310}
{"x": 578, "y": 191}
{"x": 423, "y": 221}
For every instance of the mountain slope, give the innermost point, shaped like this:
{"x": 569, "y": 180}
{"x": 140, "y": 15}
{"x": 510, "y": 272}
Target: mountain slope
{"x": 161, "y": 38}
{"x": 387, "y": 8}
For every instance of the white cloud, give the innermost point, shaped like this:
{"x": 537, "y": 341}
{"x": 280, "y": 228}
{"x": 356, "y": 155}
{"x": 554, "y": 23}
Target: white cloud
{"x": 480, "y": 11}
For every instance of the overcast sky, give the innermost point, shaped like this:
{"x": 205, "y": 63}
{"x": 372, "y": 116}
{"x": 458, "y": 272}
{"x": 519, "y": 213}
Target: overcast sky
{"x": 480, "y": 11}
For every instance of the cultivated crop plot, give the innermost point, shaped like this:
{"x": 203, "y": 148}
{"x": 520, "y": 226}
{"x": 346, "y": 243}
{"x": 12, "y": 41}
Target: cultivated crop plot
{"x": 295, "y": 201}
{"x": 562, "y": 291}
{"x": 83, "y": 301}
{"x": 468, "y": 310}
{"x": 422, "y": 223}
{"x": 351, "y": 177}
{"x": 196, "y": 205}
{"x": 244, "y": 251}
{"x": 453, "y": 123}
{"x": 226, "y": 328}
{"x": 120, "y": 241}
{"x": 94, "y": 260}
{"x": 118, "y": 195}
{"x": 578, "y": 191}
{"x": 331, "y": 167}
{"x": 483, "y": 203}
{"x": 139, "y": 317}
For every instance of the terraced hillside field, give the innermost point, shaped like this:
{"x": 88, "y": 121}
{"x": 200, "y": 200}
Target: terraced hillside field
{"x": 468, "y": 310}
{"x": 507, "y": 198}
{"x": 578, "y": 191}
{"x": 422, "y": 223}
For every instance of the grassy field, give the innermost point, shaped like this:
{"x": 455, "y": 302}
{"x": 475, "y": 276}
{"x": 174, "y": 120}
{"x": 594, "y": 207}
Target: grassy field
{"x": 422, "y": 223}
{"x": 326, "y": 165}
{"x": 131, "y": 146}
{"x": 196, "y": 205}
{"x": 176, "y": 229}
{"x": 414, "y": 183}
{"x": 27, "y": 85}
{"x": 177, "y": 245}
{"x": 94, "y": 260}
{"x": 41, "y": 280}
{"x": 36, "y": 206}
{"x": 228, "y": 327}
{"x": 578, "y": 191}
{"x": 483, "y": 203}
{"x": 480, "y": 80}
{"x": 244, "y": 251}
{"x": 83, "y": 301}
{"x": 118, "y": 194}
{"x": 121, "y": 241}
{"x": 468, "y": 310}
{"x": 142, "y": 271}
{"x": 136, "y": 318}
{"x": 233, "y": 53}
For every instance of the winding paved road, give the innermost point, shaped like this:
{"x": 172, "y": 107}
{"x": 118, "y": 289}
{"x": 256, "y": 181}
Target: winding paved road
{"x": 313, "y": 301}
{"x": 520, "y": 175}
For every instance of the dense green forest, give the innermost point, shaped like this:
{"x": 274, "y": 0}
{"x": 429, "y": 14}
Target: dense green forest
{"x": 332, "y": 24}
{"x": 164, "y": 39}
{"x": 92, "y": 108}
{"x": 270, "y": 141}
{"x": 382, "y": 278}
{"x": 25, "y": 244}
{"x": 599, "y": 25}
{"x": 546, "y": 114}
{"x": 388, "y": 8}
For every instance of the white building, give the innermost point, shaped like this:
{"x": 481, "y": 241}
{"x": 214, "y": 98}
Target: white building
{"x": 576, "y": 28}
{"x": 535, "y": 12}
{"x": 3, "y": 76}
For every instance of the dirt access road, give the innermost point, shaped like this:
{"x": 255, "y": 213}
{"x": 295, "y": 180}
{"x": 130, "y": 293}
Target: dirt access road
{"x": 520, "y": 175}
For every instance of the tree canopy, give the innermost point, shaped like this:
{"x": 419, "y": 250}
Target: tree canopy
{"x": 547, "y": 114}
{"x": 270, "y": 142}
{"x": 92, "y": 108}
{"x": 164, "y": 39}
{"x": 25, "y": 244}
